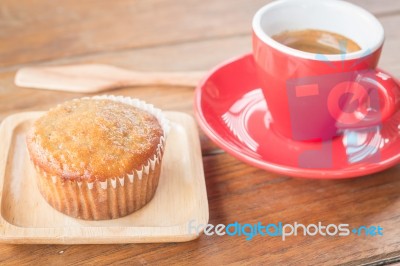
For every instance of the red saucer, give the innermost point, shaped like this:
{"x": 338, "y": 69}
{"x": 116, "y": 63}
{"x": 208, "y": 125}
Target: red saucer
{"x": 230, "y": 108}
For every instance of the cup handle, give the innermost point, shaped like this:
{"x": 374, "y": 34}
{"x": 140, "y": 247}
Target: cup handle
{"x": 375, "y": 94}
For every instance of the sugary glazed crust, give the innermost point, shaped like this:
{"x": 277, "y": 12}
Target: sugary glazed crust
{"x": 93, "y": 140}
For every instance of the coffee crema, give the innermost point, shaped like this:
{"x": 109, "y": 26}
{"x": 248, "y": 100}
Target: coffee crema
{"x": 317, "y": 41}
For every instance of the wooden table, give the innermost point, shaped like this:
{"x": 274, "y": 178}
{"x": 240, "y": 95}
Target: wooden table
{"x": 196, "y": 35}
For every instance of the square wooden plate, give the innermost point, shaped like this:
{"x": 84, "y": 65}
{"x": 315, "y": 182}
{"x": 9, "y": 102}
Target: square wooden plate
{"x": 180, "y": 198}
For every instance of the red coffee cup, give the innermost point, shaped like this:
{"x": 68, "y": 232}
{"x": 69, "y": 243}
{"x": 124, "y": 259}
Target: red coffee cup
{"x": 314, "y": 96}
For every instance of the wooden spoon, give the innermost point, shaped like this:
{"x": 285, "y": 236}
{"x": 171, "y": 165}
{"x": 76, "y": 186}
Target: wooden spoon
{"x": 90, "y": 78}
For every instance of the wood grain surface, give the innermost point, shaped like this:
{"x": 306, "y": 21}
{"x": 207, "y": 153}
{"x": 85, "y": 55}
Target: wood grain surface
{"x": 161, "y": 35}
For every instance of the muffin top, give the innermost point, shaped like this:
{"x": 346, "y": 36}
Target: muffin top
{"x": 93, "y": 139}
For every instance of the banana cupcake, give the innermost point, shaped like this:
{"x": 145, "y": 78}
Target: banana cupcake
{"x": 98, "y": 158}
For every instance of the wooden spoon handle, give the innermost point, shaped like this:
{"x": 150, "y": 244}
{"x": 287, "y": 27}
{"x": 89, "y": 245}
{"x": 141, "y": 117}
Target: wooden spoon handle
{"x": 189, "y": 79}
{"x": 90, "y": 78}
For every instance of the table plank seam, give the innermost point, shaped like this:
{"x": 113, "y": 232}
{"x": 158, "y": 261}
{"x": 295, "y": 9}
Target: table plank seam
{"x": 59, "y": 60}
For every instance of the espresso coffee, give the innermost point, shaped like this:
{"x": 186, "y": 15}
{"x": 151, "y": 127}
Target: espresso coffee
{"x": 317, "y": 41}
